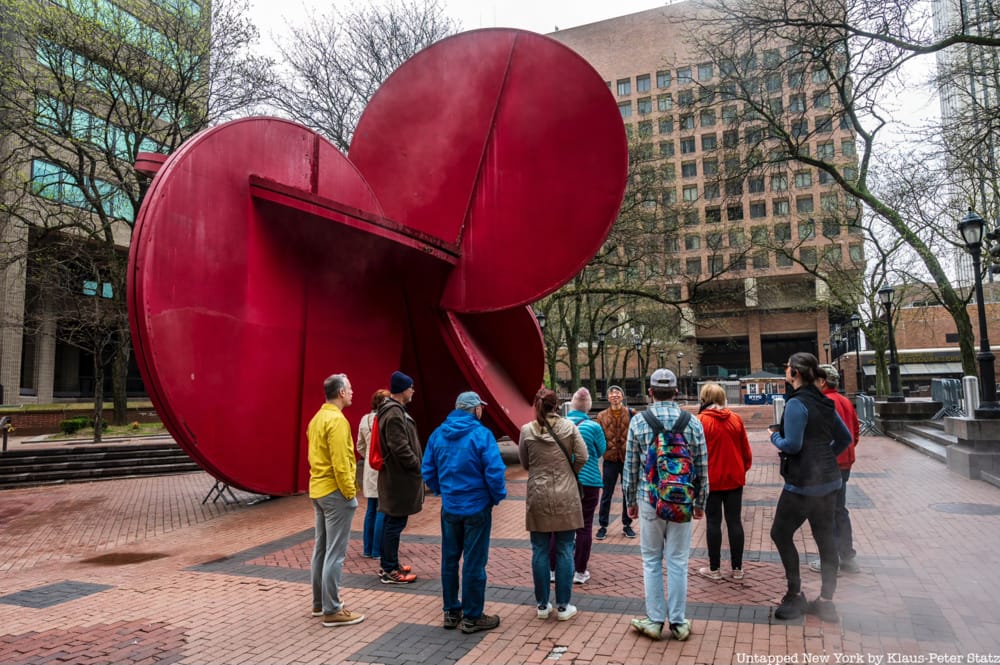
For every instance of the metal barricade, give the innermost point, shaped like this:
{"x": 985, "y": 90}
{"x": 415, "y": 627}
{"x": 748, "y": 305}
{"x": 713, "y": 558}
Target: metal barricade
{"x": 865, "y": 405}
{"x": 949, "y": 393}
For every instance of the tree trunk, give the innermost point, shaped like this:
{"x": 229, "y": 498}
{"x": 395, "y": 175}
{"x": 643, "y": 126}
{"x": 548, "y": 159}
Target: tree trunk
{"x": 119, "y": 380}
{"x": 98, "y": 397}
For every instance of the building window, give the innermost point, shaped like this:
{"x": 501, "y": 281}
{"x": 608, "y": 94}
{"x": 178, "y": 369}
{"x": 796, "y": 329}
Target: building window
{"x": 781, "y": 208}
{"x": 807, "y": 255}
{"x": 642, "y": 83}
{"x": 667, "y": 149}
{"x": 951, "y": 338}
{"x": 707, "y": 118}
{"x": 645, "y": 151}
{"x": 51, "y": 182}
{"x": 825, "y": 178}
{"x": 803, "y": 179}
{"x": 772, "y": 82}
{"x": 828, "y": 203}
{"x": 685, "y": 98}
{"x": 734, "y": 213}
{"x": 692, "y": 242}
{"x": 761, "y": 261}
{"x": 709, "y": 142}
{"x": 711, "y": 191}
{"x": 715, "y": 265}
{"x": 833, "y": 255}
{"x": 730, "y": 138}
{"x": 624, "y": 87}
{"x": 687, "y": 121}
{"x": 825, "y": 150}
{"x": 758, "y": 209}
{"x": 713, "y": 215}
{"x": 821, "y": 100}
{"x": 797, "y": 103}
{"x": 779, "y": 182}
{"x": 804, "y": 204}
{"x": 666, "y": 125}
{"x": 807, "y": 229}
{"x": 706, "y": 72}
{"x": 644, "y": 105}
{"x": 687, "y": 145}
{"x": 737, "y": 238}
{"x": 693, "y": 266}
{"x": 755, "y": 184}
{"x": 737, "y": 262}
{"x": 850, "y": 173}
{"x": 782, "y": 260}
{"x": 734, "y": 187}
{"x": 710, "y": 166}
{"x": 856, "y": 252}
{"x": 625, "y": 108}
{"x": 690, "y": 193}
{"x": 664, "y": 102}
{"x": 691, "y": 218}
{"x": 689, "y": 169}
{"x": 831, "y": 228}
{"x": 824, "y": 124}
{"x": 669, "y": 196}
{"x": 783, "y": 232}
{"x": 796, "y": 79}
{"x": 847, "y": 148}
{"x": 758, "y": 236}
{"x": 684, "y": 76}
{"x": 646, "y": 128}
{"x": 820, "y": 76}
{"x": 777, "y": 106}
{"x": 663, "y": 79}
{"x": 846, "y": 124}
{"x": 800, "y": 128}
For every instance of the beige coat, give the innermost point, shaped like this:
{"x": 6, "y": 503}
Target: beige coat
{"x": 553, "y": 502}
{"x": 370, "y": 478}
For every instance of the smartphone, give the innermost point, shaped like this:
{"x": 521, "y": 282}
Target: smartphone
{"x": 774, "y": 428}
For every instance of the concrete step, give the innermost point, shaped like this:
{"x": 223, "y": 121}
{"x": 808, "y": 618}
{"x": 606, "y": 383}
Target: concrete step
{"x": 917, "y": 442}
{"x": 927, "y": 431}
{"x": 93, "y": 475}
{"x": 93, "y": 464}
{"x": 990, "y": 478}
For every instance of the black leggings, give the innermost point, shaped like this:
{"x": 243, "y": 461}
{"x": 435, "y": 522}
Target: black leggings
{"x": 794, "y": 509}
{"x": 730, "y": 503}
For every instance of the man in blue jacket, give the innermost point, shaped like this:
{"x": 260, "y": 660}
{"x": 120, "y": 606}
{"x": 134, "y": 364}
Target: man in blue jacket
{"x": 462, "y": 464}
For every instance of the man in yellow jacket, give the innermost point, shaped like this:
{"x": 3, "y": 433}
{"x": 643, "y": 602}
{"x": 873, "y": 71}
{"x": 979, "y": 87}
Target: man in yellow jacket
{"x": 332, "y": 488}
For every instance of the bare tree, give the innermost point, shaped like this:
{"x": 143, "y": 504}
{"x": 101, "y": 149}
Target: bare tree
{"x": 337, "y": 60}
{"x": 81, "y": 93}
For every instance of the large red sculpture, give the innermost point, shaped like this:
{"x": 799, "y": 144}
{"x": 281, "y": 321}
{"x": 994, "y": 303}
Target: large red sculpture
{"x": 484, "y": 174}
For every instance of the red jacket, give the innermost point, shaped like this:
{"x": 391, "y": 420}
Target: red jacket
{"x": 729, "y": 455}
{"x": 849, "y": 415}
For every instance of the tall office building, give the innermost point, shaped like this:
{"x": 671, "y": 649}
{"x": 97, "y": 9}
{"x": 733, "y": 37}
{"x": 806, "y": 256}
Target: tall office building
{"x": 741, "y": 239}
{"x": 86, "y": 84}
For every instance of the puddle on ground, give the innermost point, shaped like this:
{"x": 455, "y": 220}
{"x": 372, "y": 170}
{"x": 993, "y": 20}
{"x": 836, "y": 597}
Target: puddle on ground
{"x": 123, "y": 558}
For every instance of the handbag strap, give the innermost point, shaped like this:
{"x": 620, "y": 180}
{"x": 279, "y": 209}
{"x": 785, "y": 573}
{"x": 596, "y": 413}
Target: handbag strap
{"x": 561, "y": 447}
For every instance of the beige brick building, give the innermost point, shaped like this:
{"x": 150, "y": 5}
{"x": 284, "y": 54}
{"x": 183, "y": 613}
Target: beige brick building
{"x": 738, "y": 238}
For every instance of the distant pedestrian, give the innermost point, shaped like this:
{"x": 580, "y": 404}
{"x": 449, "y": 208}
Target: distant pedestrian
{"x": 729, "y": 459}
{"x": 462, "y": 463}
{"x": 827, "y": 382}
{"x": 400, "y": 485}
{"x": 332, "y": 488}
{"x": 659, "y": 537}
{"x": 372, "y": 534}
{"x": 614, "y": 420}
{"x": 809, "y": 438}
{"x": 553, "y": 452}
{"x": 590, "y": 480}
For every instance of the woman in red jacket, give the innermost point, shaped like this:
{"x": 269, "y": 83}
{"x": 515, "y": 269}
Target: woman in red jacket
{"x": 729, "y": 459}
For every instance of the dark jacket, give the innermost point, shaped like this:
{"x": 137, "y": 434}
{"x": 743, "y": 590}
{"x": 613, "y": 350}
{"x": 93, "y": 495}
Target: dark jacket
{"x": 400, "y": 485}
{"x": 815, "y": 462}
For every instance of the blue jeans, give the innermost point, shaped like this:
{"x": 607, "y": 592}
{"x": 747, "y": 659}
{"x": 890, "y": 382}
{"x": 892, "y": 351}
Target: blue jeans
{"x": 333, "y": 531}
{"x": 467, "y": 535}
{"x": 372, "y": 538}
{"x": 610, "y": 472}
{"x": 842, "y": 521}
{"x": 564, "y": 565}
{"x": 392, "y": 528}
{"x": 659, "y": 539}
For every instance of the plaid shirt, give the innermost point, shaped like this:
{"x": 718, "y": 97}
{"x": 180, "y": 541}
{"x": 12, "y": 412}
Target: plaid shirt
{"x": 640, "y": 438}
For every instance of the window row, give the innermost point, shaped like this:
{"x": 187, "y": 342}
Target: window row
{"x": 760, "y": 236}
{"x": 51, "y": 182}
{"x": 832, "y": 255}
{"x": 59, "y": 119}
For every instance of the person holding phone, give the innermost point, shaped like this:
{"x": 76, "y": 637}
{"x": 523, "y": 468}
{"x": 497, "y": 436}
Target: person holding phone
{"x": 808, "y": 438}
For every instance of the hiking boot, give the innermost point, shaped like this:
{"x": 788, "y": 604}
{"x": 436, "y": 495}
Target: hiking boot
{"x": 581, "y": 578}
{"x": 485, "y": 622}
{"x": 824, "y": 609}
{"x": 452, "y": 618}
{"x": 651, "y": 629}
{"x": 705, "y": 571}
{"x": 738, "y": 574}
{"x": 849, "y": 565}
{"x": 317, "y": 610}
{"x": 396, "y": 577}
{"x": 629, "y": 533}
{"x": 566, "y": 612}
{"x": 681, "y": 631}
{"x": 602, "y": 533}
{"x": 344, "y": 617}
{"x": 544, "y": 611}
{"x": 792, "y": 606}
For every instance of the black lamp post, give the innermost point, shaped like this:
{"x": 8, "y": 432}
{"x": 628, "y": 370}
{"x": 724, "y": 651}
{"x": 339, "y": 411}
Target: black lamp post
{"x": 826, "y": 349}
{"x": 541, "y": 320}
{"x": 895, "y": 395}
{"x": 680, "y": 356}
{"x": 638, "y": 358}
{"x": 601, "y": 336}
{"x": 858, "y": 373}
{"x": 971, "y": 228}
{"x": 837, "y": 339}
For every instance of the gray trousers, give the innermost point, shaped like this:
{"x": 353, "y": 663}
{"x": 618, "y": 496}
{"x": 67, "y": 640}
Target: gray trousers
{"x": 334, "y": 514}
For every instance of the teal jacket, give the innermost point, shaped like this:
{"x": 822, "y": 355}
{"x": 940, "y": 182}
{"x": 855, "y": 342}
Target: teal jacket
{"x": 593, "y": 436}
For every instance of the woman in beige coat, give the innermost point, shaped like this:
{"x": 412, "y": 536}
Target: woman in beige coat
{"x": 553, "y": 452}
{"x": 372, "y": 530}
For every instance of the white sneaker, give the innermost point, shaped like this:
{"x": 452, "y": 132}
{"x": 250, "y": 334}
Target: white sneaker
{"x": 581, "y": 578}
{"x": 552, "y": 576}
{"x": 543, "y": 612}
{"x": 566, "y": 613}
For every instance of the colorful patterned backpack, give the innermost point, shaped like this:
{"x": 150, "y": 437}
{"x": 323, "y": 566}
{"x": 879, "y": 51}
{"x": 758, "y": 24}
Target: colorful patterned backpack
{"x": 670, "y": 472}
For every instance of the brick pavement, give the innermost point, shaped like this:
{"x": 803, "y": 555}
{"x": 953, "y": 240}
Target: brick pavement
{"x": 138, "y": 570}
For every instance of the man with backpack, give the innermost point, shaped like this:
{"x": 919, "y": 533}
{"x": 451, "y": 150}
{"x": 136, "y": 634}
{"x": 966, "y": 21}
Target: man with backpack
{"x": 666, "y": 486}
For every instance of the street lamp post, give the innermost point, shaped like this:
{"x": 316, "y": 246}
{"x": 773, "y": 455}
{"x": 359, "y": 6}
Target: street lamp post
{"x": 680, "y": 356}
{"x": 601, "y": 336}
{"x": 895, "y": 395}
{"x": 858, "y": 372}
{"x": 837, "y": 338}
{"x": 638, "y": 358}
{"x": 971, "y": 228}
{"x": 826, "y": 348}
